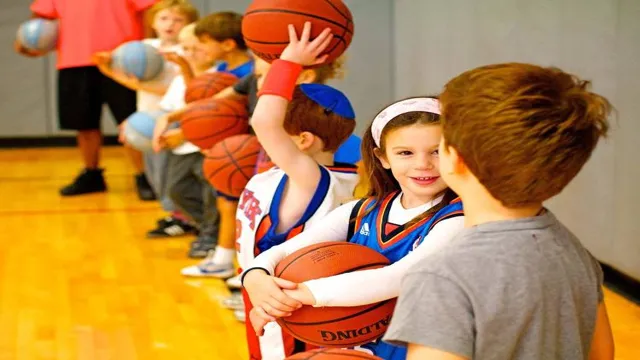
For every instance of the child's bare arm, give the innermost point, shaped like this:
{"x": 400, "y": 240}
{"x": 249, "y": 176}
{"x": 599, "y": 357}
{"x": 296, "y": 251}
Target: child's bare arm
{"x": 419, "y": 352}
{"x": 270, "y": 112}
{"x": 602, "y": 347}
{"x": 185, "y": 68}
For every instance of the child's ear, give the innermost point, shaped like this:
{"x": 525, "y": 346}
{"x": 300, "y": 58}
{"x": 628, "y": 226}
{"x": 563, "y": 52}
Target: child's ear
{"x": 307, "y": 76}
{"x": 306, "y": 140}
{"x": 382, "y": 157}
{"x": 228, "y": 45}
{"x": 451, "y": 162}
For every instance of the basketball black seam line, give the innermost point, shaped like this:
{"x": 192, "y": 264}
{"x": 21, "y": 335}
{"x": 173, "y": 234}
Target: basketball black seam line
{"x": 368, "y": 340}
{"x": 337, "y": 10}
{"x": 330, "y": 50}
{"x": 214, "y": 172}
{"x": 373, "y": 307}
{"x": 234, "y": 125}
{"x": 215, "y": 106}
{"x": 297, "y": 13}
{"x": 221, "y": 131}
{"x": 200, "y": 117}
{"x": 222, "y": 156}
{"x": 329, "y": 243}
{"x": 339, "y": 38}
{"x": 224, "y": 146}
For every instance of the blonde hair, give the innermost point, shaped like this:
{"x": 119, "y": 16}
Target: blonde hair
{"x": 183, "y": 6}
{"x": 332, "y": 70}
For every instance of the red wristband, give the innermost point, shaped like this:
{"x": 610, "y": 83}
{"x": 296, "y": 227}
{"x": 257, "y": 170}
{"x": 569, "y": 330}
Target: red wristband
{"x": 281, "y": 79}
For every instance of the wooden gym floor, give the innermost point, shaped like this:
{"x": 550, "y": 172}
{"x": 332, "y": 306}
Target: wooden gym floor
{"x": 78, "y": 279}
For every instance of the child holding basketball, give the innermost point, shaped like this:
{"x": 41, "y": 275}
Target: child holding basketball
{"x": 223, "y": 30}
{"x": 168, "y": 17}
{"x": 86, "y": 27}
{"x": 224, "y": 265}
{"x": 516, "y": 283}
{"x": 300, "y": 127}
{"x": 410, "y": 212}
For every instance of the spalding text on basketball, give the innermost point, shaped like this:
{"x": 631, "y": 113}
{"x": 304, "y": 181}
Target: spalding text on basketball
{"x": 329, "y": 336}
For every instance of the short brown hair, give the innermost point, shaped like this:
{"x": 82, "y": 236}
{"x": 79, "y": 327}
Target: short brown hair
{"x": 523, "y": 130}
{"x": 183, "y": 6}
{"x": 304, "y": 114}
{"x": 222, "y": 26}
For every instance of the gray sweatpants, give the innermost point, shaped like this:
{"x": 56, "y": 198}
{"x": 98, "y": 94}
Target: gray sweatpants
{"x": 155, "y": 169}
{"x": 191, "y": 193}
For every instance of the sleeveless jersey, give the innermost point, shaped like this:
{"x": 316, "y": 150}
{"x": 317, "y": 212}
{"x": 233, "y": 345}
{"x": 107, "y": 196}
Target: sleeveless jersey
{"x": 373, "y": 230}
{"x": 256, "y": 224}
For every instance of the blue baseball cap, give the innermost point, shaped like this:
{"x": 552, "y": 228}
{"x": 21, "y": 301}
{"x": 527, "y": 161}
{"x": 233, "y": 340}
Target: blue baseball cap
{"x": 329, "y": 98}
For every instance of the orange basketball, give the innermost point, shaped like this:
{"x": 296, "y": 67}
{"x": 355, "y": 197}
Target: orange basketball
{"x": 207, "y": 85}
{"x": 264, "y": 25}
{"x": 335, "y": 354}
{"x": 334, "y": 326}
{"x": 207, "y": 122}
{"x": 229, "y": 164}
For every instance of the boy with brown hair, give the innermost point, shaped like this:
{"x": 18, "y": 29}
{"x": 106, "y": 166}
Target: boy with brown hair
{"x": 516, "y": 283}
{"x": 300, "y": 127}
{"x": 219, "y": 40}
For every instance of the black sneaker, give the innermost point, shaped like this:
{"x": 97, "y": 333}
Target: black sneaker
{"x": 89, "y": 181}
{"x": 170, "y": 227}
{"x": 145, "y": 192}
{"x": 201, "y": 246}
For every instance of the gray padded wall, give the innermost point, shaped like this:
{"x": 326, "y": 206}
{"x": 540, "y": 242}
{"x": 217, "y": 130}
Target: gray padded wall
{"x": 596, "y": 39}
{"x": 24, "y": 88}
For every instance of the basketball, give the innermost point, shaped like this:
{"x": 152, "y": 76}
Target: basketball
{"x": 138, "y": 59}
{"x": 229, "y": 164}
{"x": 335, "y": 354}
{"x": 38, "y": 34}
{"x": 334, "y": 326}
{"x": 138, "y": 131}
{"x": 207, "y": 122}
{"x": 207, "y": 85}
{"x": 264, "y": 26}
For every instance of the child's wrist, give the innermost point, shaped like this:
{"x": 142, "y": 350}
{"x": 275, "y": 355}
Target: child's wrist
{"x": 281, "y": 79}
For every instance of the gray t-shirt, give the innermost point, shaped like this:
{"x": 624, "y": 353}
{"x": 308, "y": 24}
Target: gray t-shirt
{"x": 517, "y": 289}
{"x": 248, "y": 86}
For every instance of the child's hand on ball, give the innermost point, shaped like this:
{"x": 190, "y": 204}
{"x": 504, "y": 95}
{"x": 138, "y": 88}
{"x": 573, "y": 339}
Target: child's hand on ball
{"x": 302, "y": 294}
{"x": 121, "y": 137}
{"x": 173, "y": 138}
{"x": 258, "y": 321}
{"x": 102, "y": 58}
{"x": 22, "y": 50}
{"x": 304, "y": 51}
{"x": 266, "y": 294}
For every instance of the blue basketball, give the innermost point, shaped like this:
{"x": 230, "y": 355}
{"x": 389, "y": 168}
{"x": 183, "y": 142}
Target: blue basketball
{"x": 38, "y": 34}
{"x": 349, "y": 151}
{"x": 138, "y": 131}
{"x": 138, "y": 59}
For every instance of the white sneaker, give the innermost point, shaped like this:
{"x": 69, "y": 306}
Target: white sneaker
{"x": 234, "y": 302}
{"x": 234, "y": 282}
{"x": 240, "y": 315}
{"x": 207, "y": 268}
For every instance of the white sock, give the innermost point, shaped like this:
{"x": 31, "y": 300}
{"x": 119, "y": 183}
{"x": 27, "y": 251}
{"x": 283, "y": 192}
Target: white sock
{"x": 223, "y": 256}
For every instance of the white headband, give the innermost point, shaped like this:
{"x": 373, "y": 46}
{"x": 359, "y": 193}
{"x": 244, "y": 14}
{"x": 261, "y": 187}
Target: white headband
{"x": 429, "y": 105}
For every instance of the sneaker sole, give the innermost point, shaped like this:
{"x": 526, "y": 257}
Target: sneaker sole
{"x": 82, "y": 193}
{"x": 219, "y": 275}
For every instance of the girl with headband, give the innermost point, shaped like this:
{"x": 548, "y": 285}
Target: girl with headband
{"x": 409, "y": 213}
